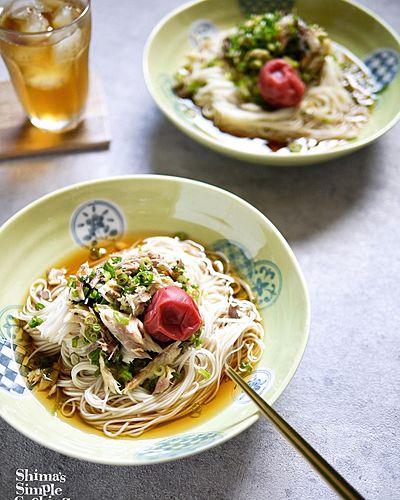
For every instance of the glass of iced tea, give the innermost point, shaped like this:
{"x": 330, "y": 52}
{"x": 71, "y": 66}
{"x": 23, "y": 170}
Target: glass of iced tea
{"x": 45, "y": 45}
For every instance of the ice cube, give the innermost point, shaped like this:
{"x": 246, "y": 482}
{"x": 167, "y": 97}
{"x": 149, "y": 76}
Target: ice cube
{"x": 16, "y": 9}
{"x": 35, "y": 22}
{"x": 48, "y": 6}
{"x": 29, "y": 18}
{"x": 27, "y": 55}
{"x": 63, "y": 16}
{"x": 46, "y": 80}
{"x": 69, "y": 47}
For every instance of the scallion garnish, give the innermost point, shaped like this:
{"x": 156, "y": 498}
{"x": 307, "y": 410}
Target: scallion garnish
{"x": 39, "y": 306}
{"x": 35, "y": 321}
{"x": 204, "y": 373}
{"x": 72, "y": 281}
{"x": 95, "y": 295}
{"x": 177, "y": 375}
{"x": 74, "y": 358}
{"x": 124, "y": 374}
{"x": 109, "y": 268}
{"x": 159, "y": 371}
{"x": 122, "y": 279}
{"x": 246, "y": 366}
{"x": 94, "y": 357}
{"x": 120, "y": 318}
{"x": 195, "y": 340}
{"x": 181, "y": 236}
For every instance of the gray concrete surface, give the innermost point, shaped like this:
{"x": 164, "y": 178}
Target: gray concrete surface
{"x": 342, "y": 220}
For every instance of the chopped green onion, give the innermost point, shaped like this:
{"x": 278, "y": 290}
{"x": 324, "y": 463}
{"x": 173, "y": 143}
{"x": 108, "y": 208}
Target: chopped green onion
{"x": 292, "y": 62}
{"x": 124, "y": 373}
{"x": 74, "y": 341}
{"x": 194, "y": 86}
{"x": 177, "y": 375}
{"x": 116, "y": 259}
{"x": 160, "y": 371}
{"x": 122, "y": 279}
{"x": 150, "y": 384}
{"x": 39, "y": 306}
{"x": 196, "y": 340}
{"x": 90, "y": 319}
{"x": 146, "y": 278}
{"x": 110, "y": 269}
{"x": 182, "y": 279}
{"x": 295, "y": 147}
{"x": 213, "y": 62}
{"x": 204, "y": 373}
{"x": 35, "y": 321}
{"x": 181, "y": 235}
{"x": 120, "y": 318}
{"x": 74, "y": 358}
{"x": 142, "y": 278}
{"x": 95, "y": 295}
{"x": 96, "y": 328}
{"x": 246, "y": 366}
{"x": 90, "y": 334}
{"x": 71, "y": 282}
{"x": 94, "y": 357}
{"x": 146, "y": 264}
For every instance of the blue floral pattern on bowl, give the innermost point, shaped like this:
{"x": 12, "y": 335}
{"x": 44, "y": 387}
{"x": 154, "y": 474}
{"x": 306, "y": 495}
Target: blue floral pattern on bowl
{"x": 12, "y": 353}
{"x": 200, "y": 30}
{"x": 261, "y": 6}
{"x": 264, "y": 276}
{"x": 178, "y": 446}
{"x": 260, "y": 381}
{"x": 384, "y": 65}
{"x": 97, "y": 220}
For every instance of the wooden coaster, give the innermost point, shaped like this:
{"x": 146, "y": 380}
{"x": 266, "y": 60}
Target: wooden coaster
{"x": 19, "y": 138}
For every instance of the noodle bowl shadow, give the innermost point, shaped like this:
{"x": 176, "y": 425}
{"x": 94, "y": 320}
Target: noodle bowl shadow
{"x": 288, "y": 196}
{"x": 150, "y": 205}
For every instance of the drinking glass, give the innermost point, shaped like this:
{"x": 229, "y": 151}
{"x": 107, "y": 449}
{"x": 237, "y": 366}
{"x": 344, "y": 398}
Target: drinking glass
{"x": 45, "y": 46}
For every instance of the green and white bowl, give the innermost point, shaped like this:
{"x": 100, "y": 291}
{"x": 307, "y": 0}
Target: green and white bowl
{"x": 347, "y": 23}
{"x": 51, "y": 228}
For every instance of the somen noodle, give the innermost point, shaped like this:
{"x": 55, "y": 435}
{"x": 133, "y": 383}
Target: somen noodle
{"x": 90, "y": 342}
{"x": 224, "y": 78}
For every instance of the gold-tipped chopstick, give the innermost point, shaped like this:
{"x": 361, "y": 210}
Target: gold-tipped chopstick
{"x": 338, "y": 483}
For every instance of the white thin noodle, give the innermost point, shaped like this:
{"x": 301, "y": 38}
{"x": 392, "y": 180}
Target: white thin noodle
{"x": 226, "y": 339}
{"x": 327, "y": 111}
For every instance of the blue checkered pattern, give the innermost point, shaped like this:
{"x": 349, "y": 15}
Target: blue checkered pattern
{"x": 384, "y": 65}
{"x": 179, "y": 446}
{"x": 13, "y": 354}
{"x": 10, "y": 378}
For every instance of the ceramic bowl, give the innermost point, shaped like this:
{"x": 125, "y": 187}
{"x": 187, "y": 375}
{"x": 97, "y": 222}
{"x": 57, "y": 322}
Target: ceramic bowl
{"x": 347, "y": 23}
{"x": 51, "y": 228}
